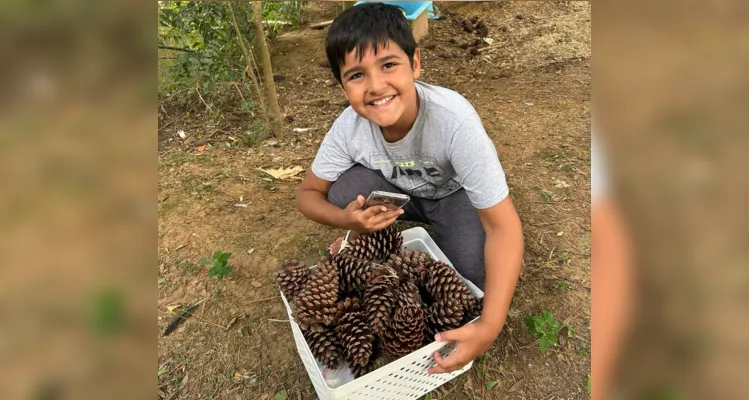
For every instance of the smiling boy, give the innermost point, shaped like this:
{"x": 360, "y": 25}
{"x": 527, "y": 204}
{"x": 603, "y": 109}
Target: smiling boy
{"x": 402, "y": 135}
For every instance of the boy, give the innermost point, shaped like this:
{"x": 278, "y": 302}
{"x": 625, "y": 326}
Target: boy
{"x": 401, "y": 135}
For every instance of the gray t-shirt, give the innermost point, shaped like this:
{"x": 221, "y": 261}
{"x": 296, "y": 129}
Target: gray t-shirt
{"x": 446, "y": 149}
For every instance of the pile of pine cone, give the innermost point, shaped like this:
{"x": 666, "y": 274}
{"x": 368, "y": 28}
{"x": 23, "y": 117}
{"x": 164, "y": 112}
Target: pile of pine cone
{"x": 374, "y": 302}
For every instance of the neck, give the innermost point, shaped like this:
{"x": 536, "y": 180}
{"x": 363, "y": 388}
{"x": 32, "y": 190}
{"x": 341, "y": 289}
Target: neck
{"x": 400, "y": 129}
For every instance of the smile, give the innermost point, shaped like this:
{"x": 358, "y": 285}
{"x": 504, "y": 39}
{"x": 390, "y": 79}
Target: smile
{"x": 382, "y": 102}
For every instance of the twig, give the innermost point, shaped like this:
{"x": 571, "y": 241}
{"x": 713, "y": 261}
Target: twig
{"x": 240, "y": 92}
{"x": 529, "y": 345}
{"x": 481, "y": 50}
{"x": 278, "y": 320}
{"x": 201, "y": 99}
{"x": 202, "y": 321}
{"x": 176, "y": 48}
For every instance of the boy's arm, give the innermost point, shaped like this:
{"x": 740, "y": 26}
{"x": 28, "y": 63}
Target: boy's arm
{"x": 503, "y": 257}
{"x": 312, "y": 202}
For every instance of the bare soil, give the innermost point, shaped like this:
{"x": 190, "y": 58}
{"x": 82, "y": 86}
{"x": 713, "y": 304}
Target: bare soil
{"x": 531, "y": 87}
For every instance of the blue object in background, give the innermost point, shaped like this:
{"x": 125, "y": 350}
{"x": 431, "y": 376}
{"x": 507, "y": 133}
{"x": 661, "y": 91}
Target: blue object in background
{"x": 412, "y": 8}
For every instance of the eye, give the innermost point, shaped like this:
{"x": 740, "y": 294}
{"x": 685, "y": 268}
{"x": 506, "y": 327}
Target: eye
{"x": 389, "y": 65}
{"x": 356, "y": 76}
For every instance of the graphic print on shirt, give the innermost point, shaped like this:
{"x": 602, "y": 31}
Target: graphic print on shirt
{"x": 418, "y": 175}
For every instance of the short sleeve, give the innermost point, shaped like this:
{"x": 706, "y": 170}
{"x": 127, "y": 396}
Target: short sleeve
{"x": 477, "y": 165}
{"x": 332, "y": 159}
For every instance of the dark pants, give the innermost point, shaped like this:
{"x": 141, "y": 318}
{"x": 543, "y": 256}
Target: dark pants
{"x": 454, "y": 220}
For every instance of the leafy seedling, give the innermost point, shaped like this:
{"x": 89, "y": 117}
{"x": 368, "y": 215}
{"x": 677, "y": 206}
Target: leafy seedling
{"x": 220, "y": 267}
{"x": 490, "y": 384}
{"x": 545, "y": 328}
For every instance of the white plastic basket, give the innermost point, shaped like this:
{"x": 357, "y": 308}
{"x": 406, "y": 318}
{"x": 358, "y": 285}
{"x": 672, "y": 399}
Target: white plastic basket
{"x": 405, "y": 378}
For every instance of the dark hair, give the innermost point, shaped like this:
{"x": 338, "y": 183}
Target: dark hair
{"x": 368, "y": 24}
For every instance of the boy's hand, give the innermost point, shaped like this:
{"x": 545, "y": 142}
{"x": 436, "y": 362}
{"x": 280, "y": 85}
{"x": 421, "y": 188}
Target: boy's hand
{"x": 472, "y": 341}
{"x": 370, "y": 219}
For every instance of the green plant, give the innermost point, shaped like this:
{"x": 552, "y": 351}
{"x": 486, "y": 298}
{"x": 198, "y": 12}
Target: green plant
{"x": 220, "y": 267}
{"x": 545, "y": 328}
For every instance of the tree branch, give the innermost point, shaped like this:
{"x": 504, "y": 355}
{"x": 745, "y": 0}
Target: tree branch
{"x": 176, "y": 48}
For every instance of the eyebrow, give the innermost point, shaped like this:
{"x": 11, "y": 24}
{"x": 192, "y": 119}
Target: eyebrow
{"x": 357, "y": 68}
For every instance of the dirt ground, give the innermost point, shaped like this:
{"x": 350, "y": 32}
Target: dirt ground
{"x": 531, "y": 87}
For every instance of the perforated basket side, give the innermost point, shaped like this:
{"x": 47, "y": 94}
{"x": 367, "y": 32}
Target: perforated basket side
{"x": 310, "y": 364}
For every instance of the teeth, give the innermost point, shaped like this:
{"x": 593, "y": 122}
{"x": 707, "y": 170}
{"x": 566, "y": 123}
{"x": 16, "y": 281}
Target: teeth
{"x": 383, "y": 101}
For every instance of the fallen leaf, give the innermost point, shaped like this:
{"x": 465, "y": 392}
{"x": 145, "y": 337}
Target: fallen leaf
{"x": 241, "y": 198}
{"x": 171, "y": 308}
{"x": 560, "y": 184}
{"x": 517, "y": 386}
{"x": 184, "y": 382}
{"x": 263, "y": 397}
{"x": 250, "y": 251}
{"x": 488, "y": 41}
{"x": 233, "y": 321}
{"x": 241, "y": 205}
{"x": 560, "y": 357}
{"x": 181, "y": 134}
{"x": 560, "y": 233}
{"x": 256, "y": 284}
{"x": 201, "y": 148}
{"x": 489, "y": 385}
{"x": 280, "y": 395}
{"x": 284, "y": 173}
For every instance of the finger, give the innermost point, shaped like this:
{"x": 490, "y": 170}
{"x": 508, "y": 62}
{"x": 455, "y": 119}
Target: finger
{"x": 452, "y": 335}
{"x": 360, "y": 200}
{"x": 385, "y": 224}
{"x": 443, "y": 365}
{"x": 355, "y": 205}
{"x": 370, "y": 212}
{"x": 452, "y": 362}
{"x": 385, "y": 216}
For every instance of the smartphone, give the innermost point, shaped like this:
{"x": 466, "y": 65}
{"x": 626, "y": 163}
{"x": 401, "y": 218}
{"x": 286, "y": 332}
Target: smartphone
{"x": 392, "y": 201}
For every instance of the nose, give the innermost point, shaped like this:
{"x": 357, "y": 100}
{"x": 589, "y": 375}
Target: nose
{"x": 377, "y": 84}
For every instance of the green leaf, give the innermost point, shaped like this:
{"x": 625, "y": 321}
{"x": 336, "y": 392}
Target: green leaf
{"x": 304, "y": 239}
{"x": 588, "y": 385}
{"x": 489, "y": 385}
{"x": 206, "y": 260}
{"x": 551, "y": 338}
{"x": 543, "y": 344}
{"x": 162, "y": 370}
{"x": 280, "y": 395}
{"x": 428, "y": 396}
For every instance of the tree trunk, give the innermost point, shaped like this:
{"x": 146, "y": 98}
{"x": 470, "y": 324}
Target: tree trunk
{"x": 251, "y": 73}
{"x": 257, "y": 8}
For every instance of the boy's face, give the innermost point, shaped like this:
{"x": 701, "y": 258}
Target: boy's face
{"x": 380, "y": 87}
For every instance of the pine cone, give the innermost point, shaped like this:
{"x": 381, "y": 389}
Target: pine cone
{"x": 409, "y": 294}
{"x": 405, "y": 333}
{"x": 442, "y": 282}
{"x": 444, "y": 315}
{"x": 325, "y": 347}
{"x": 375, "y": 246}
{"x": 291, "y": 278}
{"x": 472, "y": 309}
{"x": 380, "y": 298}
{"x": 316, "y": 303}
{"x": 346, "y": 306}
{"x": 415, "y": 260}
{"x": 356, "y": 338}
{"x": 353, "y": 273}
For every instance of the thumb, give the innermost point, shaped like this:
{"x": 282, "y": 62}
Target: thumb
{"x": 452, "y": 335}
{"x": 356, "y": 204}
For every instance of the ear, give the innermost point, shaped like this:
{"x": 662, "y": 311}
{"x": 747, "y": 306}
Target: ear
{"x": 417, "y": 63}
{"x": 340, "y": 85}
